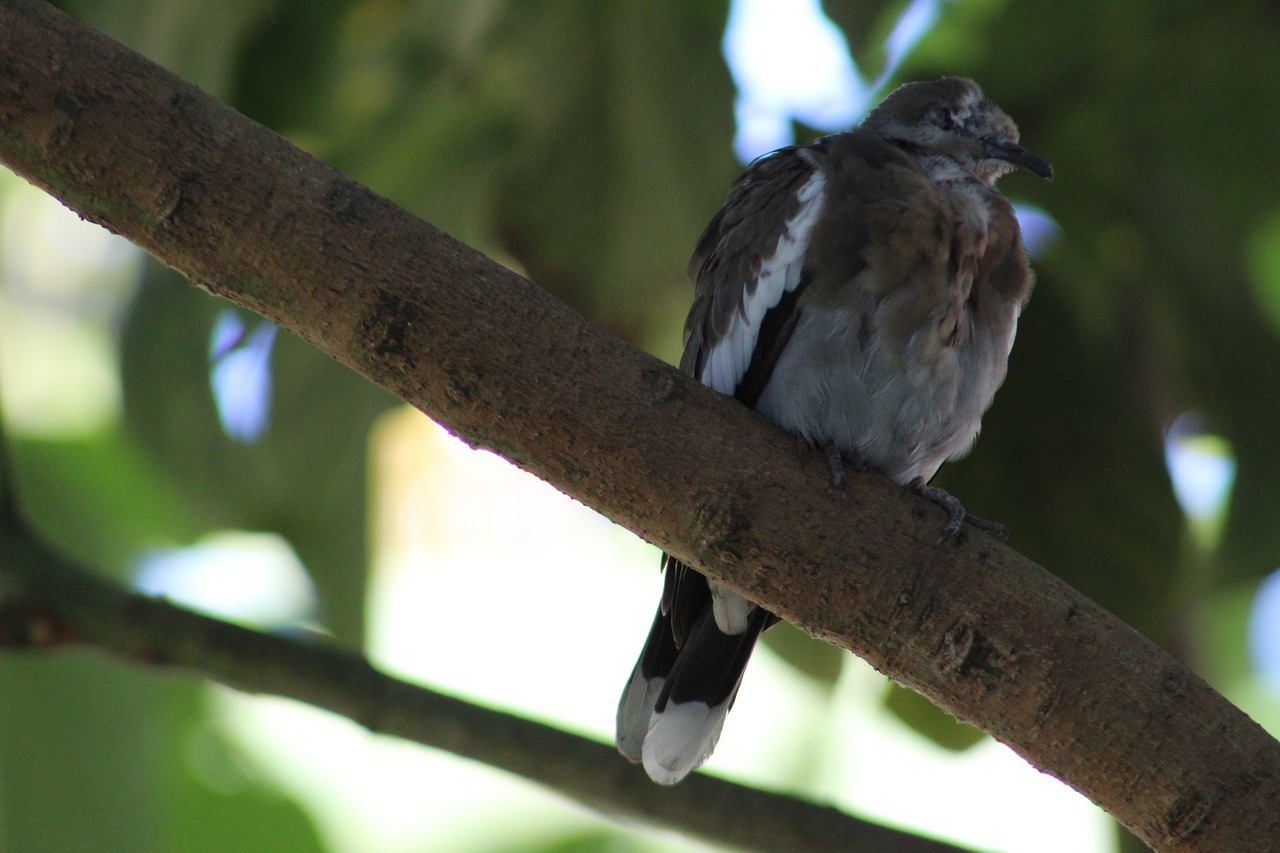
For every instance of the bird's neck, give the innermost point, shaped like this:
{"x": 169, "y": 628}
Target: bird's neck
{"x": 942, "y": 169}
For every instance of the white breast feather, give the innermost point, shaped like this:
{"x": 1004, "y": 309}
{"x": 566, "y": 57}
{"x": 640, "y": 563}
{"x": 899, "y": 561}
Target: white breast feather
{"x": 729, "y": 358}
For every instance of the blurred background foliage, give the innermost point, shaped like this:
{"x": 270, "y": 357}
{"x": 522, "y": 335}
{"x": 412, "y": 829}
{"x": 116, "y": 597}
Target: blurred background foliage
{"x": 586, "y": 144}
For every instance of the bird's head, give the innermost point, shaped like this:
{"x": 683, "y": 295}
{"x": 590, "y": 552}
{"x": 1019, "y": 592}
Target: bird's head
{"x": 950, "y": 124}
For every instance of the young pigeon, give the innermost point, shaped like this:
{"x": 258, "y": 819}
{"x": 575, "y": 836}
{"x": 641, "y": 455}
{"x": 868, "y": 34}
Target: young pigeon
{"x": 861, "y": 292}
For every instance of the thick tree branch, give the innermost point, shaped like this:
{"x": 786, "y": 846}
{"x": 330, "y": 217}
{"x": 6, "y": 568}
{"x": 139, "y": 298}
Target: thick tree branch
{"x": 48, "y": 602}
{"x": 986, "y": 634}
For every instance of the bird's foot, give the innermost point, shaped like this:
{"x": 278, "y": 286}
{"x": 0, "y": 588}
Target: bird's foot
{"x": 836, "y": 462}
{"x": 956, "y": 513}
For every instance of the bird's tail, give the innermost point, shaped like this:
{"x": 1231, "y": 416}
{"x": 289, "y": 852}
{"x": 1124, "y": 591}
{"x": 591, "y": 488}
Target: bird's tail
{"x": 674, "y": 706}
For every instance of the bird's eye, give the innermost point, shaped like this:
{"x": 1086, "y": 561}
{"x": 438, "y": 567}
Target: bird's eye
{"x": 944, "y": 118}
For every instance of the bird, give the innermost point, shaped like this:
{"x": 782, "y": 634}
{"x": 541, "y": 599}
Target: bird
{"x": 861, "y": 292}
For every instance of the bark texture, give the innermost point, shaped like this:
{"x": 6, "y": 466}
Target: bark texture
{"x": 989, "y": 636}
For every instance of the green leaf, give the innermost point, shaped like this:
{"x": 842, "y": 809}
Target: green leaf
{"x": 97, "y": 756}
{"x": 100, "y": 499}
{"x": 929, "y": 720}
{"x": 819, "y": 661}
{"x": 305, "y": 479}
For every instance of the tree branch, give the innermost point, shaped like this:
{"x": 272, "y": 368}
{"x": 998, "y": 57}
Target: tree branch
{"x": 988, "y": 635}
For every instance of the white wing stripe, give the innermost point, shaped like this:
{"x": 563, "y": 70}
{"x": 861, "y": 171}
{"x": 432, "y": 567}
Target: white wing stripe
{"x": 729, "y": 358}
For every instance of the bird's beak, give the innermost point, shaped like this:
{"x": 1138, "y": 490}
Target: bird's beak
{"x": 1013, "y": 153}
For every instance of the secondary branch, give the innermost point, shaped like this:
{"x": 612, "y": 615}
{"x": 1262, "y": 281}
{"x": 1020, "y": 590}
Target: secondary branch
{"x": 48, "y": 603}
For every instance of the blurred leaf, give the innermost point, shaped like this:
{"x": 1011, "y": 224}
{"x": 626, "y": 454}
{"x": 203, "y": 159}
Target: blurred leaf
{"x": 865, "y": 26}
{"x": 1224, "y": 621}
{"x": 589, "y": 842}
{"x": 100, "y": 499}
{"x": 929, "y": 720}
{"x": 819, "y": 661}
{"x": 306, "y": 478}
{"x": 1264, "y": 265}
{"x": 625, "y": 122}
{"x": 209, "y": 781}
{"x": 82, "y": 752}
{"x": 287, "y": 64}
{"x": 95, "y": 756}
{"x": 195, "y": 39}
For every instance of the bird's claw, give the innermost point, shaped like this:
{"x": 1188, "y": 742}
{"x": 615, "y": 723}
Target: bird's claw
{"x": 956, "y": 513}
{"x": 836, "y": 462}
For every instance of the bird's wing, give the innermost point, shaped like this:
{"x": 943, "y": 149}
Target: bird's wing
{"x": 749, "y": 262}
{"x": 748, "y": 269}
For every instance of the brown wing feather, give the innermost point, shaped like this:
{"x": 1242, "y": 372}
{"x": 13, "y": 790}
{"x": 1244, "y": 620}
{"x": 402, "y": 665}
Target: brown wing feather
{"x": 737, "y": 241}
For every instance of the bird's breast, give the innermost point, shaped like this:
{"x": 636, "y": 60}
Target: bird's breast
{"x": 900, "y": 370}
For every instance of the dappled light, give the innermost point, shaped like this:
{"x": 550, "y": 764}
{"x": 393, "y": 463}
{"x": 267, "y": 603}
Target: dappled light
{"x": 1264, "y": 633}
{"x": 1039, "y": 229}
{"x": 240, "y": 375}
{"x": 252, "y": 578}
{"x": 64, "y": 284}
{"x": 792, "y": 64}
{"x": 1202, "y": 470}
